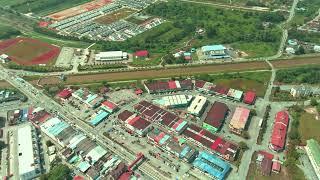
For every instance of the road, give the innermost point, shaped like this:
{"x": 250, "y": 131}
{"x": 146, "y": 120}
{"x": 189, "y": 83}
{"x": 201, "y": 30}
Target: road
{"x": 39, "y": 98}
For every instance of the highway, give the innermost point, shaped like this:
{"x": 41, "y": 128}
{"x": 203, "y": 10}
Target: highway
{"x": 39, "y": 98}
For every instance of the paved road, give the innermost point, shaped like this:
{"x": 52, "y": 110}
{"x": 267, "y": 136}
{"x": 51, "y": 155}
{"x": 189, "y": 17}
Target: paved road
{"x": 42, "y": 100}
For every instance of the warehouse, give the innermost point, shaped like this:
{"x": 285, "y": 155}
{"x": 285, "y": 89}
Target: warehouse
{"x": 212, "y": 165}
{"x": 198, "y": 105}
{"x": 214, "y": 52}
{"x": 215, "y": 117}
{"x": 278, "y": 137}
{"x": 168, "y": 86}
{"x": 111, "y": 56}
{"x": 203, "y": 138}
{"x": 139, "y": 125}
{"x": 239, "y": 120}
{"x": 98, "y": 117}
{"x": 175, "y": 101}
{"x": 250, "y": 97}
{"x": 313, "y": 151}
{"x": 28, "y": 153}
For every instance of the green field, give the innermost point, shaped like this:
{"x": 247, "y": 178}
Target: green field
{"x": 309, "y": 127}
{"x": 7, "y": 32}
{"x": 41, "y": 7}
{"x": 256, "y": 81}
{"x": 261, "y": 3}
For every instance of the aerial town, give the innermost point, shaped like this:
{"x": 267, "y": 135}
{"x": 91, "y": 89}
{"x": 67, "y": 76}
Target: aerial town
{"x": 156, "y": 90}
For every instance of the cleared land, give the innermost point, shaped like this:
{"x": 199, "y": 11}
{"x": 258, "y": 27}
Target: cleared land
{"x": 309, "y": 127}
{"x": 78, "y": 9}
{"x": 115, "y": 16}
{"x": 298, "y": 62}
{"x": 27, "y": 51}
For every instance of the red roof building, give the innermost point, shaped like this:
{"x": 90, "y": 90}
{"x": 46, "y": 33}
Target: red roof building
{"x": 138, "y": 91}
{"x": 143, "y": 53}
{"x": 43, "y": 24}
{"x": 250, "y": 97}
{"x": 278, "y": 137}
{"x": 215, "y": 117}
{"x": 78, "y": 178}
{"x": 65, "y": 94}
{"x": 109, "y": 106}
{"x": 266, "y": 166}
{"x": 276, "y": 167}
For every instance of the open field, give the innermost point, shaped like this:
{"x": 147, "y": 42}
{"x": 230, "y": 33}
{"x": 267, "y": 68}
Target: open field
{"x": 78, "y": 9}
{"x": 115, "y": 16}
{"x": 309, "y": 127}
{"x": 42, "y": 7}
{"x": 297, "y": 62}
{"x": 8, "y": 31}
{"x": 255, "y": 81}
{"x": 27, "y": 51}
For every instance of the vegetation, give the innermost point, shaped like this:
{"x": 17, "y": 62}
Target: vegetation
{"x": 7, "y": 32}
{"x": 44, "y": 7}
{"x": 36, "y": 68}
{"x": 310, "y": 75}
{"x": 58, "y": 172}
{"x": 101, "y": 67}
{"x": 311, "y": 37}
{"x": 264, "y": 124}
{"x": 309, "y": 127}
{"x": 281, "y": 95}
{"x": 256, "y": 81}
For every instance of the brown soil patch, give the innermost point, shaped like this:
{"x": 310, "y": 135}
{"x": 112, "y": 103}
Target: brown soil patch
{"x": 296, "y": 62}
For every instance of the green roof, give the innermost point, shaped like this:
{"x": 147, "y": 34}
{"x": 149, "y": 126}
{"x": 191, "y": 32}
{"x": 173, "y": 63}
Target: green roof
{"x": 315, "y": 150}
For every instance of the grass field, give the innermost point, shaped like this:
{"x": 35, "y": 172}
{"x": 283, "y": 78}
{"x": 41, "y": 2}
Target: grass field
{"x": 115, "y": 16}
{"x": 309, "y": 127}
{"x": 256, "y": 81}
{"x": 7, "y": 31}
{"x": 27, "y": 51}
{"x": 257, "y": 49}
{"x": 41, "y": 7}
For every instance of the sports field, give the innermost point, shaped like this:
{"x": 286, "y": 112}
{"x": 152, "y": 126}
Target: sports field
{"x": 115, "y": 16}
{"x": 26, "y": 51}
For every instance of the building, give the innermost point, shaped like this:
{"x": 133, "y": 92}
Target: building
{"x": 4, "y": 58}
{"x": 168, "y": 86}
{"x": 301, "y": 91}
{"x": 239, "y": 120}
{"x": 109, "y": 106}
{"x": 214, "y": 52}
{"x": 65, "y": 94}
{"x": 276, "y": 166}
{"x": 212, "y": 165}
{"x": 250, "y": 97}
{"x": 203, "y": 138}
{"x": 234, "y": 94}
{"x": 215, "y": 117}
{"x": 98, "y": 117}
{"x": 278, "y": 137}
{"x": 290, "y": 50}
{"x": 313, "y": 151}
{"x": 138, "y": 125}
{"x": 111, "y": 56}
{"x": 141, "y": 54}
{"x": 198, "y": 105}
{"x": 90, "y": 99}
{"x": 28, "y": 153}
{"x": 266, "y": 166}
{"x": 316, "y": 48}
{"x": 174, "y": 101}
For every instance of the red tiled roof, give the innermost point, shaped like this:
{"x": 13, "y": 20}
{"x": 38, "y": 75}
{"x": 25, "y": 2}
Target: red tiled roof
{"x": 276, "y": 166}
{"x": 172, "y": 84}
{"x": 266, "y": 166}
{"x": 249, "y": 97}
{"x": 216, "y": 114}
{"x": 78, "y": 178}
{"x": 109, "y": 104}
{"x": 266, "y": 154}
{"x": 123, "y": 116}
{"x": 200, "y": 83}
{"x": 139, "y": 123}
{"x": 138, "y": 91}
{"x": 66, "y": 93}
{"x": 142, "y": 53}
{"x": 220, "y": 89}
{"x": 278, "y": 136}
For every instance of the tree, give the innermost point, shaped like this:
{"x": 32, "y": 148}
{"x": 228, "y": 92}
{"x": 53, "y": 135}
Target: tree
{"x": 58, "y": 172}
{"x": 313, "y": 102}
{"x": 300, "y": 50}
{"x": 253, "y": 112}
{"x": 243, "y": 146}
{"x": 49, "y": 143}
{"x": 245, "y": 135}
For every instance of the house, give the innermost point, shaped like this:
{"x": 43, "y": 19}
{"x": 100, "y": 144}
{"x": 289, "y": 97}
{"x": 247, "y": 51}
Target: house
{"x": 141, "y": 54}
{"x": 266, "y": 166}
{"x": 301, "y": 91}
{"x": 214, "y": 52}
{"x": 276, "y": 167}
{"x": 316, "y": 48}
{"x": 290, "y": 50}
{"x": 65, "y": 94}
{"x": 138, "y": 91}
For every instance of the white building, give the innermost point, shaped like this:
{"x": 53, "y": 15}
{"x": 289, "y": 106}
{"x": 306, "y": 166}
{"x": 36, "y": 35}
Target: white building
{"x": 197, "y": 106}
{"x": 4, "y": 58}
{"x": 27, "y": 153}
{"x": 316, "y": 48}
{"x": 111, "y": 56}
{"x": 174, "y": 101}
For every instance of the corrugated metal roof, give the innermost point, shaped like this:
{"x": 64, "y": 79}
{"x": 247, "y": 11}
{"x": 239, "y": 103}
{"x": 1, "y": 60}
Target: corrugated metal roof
{"x": 240, "y": 118}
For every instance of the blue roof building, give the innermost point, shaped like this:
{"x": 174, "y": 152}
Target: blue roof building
{"x": 212, "y": 165}
{"x": 101, "y": 115}
{"x": 214, "y": 52}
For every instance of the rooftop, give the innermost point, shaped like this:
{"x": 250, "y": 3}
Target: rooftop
{"x": 216, "y": 114}
{"x": 240, "y": 118}
{"x": 213, "y": 48}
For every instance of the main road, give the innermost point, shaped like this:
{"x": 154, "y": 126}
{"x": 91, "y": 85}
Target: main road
{"x": 39, "y": 98}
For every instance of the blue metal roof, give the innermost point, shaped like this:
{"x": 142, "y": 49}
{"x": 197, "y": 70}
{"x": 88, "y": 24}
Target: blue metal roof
{"x": 213, "y": 48}
{"x": 184, "y": 151}
{"x": 99, "y": 117}
{"x": 212, "y": 165}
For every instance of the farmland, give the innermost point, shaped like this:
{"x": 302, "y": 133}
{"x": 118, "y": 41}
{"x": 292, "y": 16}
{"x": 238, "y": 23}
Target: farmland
{"x": 27, "y": 51}
{"x": 115, "y": 16}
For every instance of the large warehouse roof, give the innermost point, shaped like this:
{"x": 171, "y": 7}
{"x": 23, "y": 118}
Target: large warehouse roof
{"x": 240, "y": 118}
{"x": 216, "y": 114}
{"x": 278, "y": 136}
{"x": 197, "y": 105}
